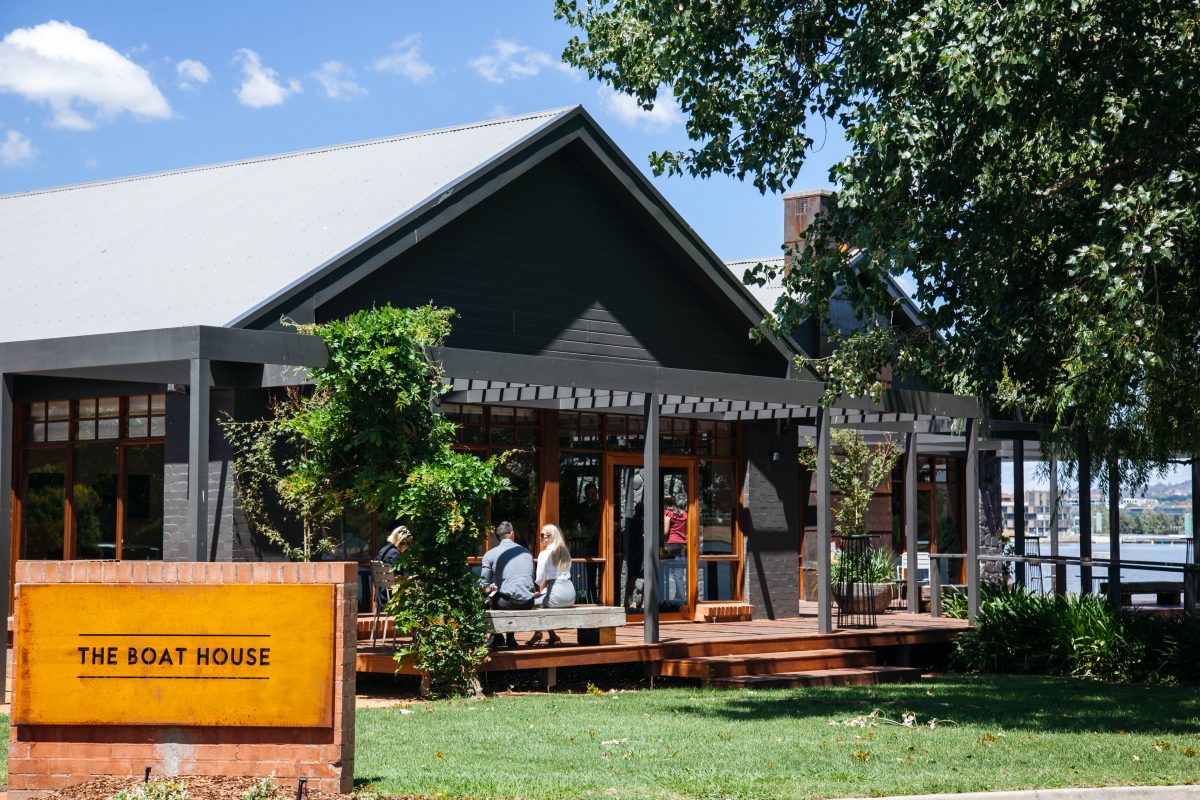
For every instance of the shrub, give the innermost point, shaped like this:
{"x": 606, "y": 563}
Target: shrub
{"x": 154, "y": 790}
{"x": 877, "y": 565}
{"x": 368, "y": 435}
{"x": 1083, "y": 636}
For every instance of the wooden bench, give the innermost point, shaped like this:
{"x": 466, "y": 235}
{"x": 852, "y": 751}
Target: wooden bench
{"x": 1168, "y": 593}
{"x": 594, "y": 624}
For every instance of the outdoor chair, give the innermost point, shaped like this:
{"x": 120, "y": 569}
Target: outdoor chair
{"x": 382, "y": 580}
{"x": 902, "y": 573}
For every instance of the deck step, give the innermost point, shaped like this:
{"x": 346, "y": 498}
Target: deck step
{"x": 856, "y": 676}
{"x": 712, "y": 667}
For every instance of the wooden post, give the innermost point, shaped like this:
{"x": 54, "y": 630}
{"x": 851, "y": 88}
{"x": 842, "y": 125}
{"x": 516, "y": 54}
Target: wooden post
{"x": 1114, "y": 532}
{"x": 1018, "y": 446}
{"x": 972, "y": 517}
{"x": 1085, "y": 514}
{"x": 911, "y": 545}
{"x": 7, "y": 433}
{"x": 824, "y": 526}
{"x": 652, "y": 519}
{"x": 1191, "y": 583}
{"x": 1060, "y": 570}
{"x": 197, "y": 503}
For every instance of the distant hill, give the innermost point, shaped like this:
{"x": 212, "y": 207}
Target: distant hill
{"x": 1163, "y": 491}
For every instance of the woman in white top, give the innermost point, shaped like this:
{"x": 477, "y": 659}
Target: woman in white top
{"x": 553, "y": 577}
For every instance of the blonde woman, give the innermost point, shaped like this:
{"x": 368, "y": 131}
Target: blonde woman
{"x": 553, "y": 577}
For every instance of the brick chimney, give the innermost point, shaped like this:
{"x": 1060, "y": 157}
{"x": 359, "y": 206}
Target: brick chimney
{"x": 799, "y": 209}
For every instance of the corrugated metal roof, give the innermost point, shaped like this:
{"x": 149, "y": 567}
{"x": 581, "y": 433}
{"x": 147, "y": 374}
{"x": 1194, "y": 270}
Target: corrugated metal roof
{"x": 765, "y": 295}
{"x": 203, "y": 246}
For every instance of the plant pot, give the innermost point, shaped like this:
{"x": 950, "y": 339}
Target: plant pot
{"x": 876, "y": 598}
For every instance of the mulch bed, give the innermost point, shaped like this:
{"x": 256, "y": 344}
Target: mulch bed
{"x": 198, "y": 788}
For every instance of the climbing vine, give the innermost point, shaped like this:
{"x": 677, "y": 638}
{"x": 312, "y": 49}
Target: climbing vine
{"x": 368, "y": 435}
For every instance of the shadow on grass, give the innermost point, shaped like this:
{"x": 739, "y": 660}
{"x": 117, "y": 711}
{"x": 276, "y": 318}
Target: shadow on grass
{"x": 1029, "y": 703}
{"x": 363, "y": 783}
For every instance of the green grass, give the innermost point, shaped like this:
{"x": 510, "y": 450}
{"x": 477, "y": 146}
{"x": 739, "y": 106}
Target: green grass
{"x": 993, "y": 732}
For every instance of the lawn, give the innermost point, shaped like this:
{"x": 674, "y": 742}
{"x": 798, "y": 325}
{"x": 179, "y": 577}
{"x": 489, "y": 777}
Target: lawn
{"x": 970, "y": 733}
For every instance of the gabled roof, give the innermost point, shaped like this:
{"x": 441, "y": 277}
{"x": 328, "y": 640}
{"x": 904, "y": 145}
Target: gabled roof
{"x": 205, "y": 245}
{"x": 233, "y": 244}
{"x": 765, "y": 295}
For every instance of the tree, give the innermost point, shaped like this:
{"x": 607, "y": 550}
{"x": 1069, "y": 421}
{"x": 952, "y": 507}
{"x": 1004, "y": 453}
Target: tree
{"x": 855, "y": 474}
{"x": 368, "y": 435}
{"x": 1032, "y": 165}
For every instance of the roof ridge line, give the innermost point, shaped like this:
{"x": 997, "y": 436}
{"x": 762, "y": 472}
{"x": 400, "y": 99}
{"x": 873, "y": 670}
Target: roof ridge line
{"x": 548, "y": 113}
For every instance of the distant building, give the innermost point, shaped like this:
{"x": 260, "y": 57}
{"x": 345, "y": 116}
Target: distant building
{"x": 1038, "y": 513}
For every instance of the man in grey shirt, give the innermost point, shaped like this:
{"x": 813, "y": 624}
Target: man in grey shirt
{"x": 507, "y": 577}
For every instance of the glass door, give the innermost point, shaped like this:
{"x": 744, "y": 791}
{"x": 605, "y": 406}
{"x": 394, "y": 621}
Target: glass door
{"x": 675, "y": 533}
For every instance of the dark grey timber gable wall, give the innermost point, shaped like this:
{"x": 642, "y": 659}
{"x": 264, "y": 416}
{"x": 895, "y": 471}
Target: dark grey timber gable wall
{"x": 556, "y": 264}
{"x": 770, "y": 520}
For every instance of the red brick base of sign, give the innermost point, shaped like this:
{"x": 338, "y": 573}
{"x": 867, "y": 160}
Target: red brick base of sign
{"x": 46, "y": 757}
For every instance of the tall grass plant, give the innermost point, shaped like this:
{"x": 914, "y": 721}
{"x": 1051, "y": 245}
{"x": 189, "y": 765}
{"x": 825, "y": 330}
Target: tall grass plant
{"x": 1082, "y": 636}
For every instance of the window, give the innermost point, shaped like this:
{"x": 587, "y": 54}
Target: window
{"x": 146, "y": 416}
{"x": 492, "y": 430}
{"x": 91, "y": 478}
{"x": 49, "y": 421}
{"x": 99, "y": 418}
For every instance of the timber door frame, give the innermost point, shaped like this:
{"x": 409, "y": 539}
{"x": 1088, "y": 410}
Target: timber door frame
{"x": 608, "y": 534}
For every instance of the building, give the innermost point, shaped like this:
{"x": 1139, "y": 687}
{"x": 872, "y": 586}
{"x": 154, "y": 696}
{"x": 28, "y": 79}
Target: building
{"x": 1038, "y": 513}
{"x": 598, "y": 335}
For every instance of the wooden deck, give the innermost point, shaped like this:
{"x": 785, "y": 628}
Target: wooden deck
{"x": 692, "y": 639}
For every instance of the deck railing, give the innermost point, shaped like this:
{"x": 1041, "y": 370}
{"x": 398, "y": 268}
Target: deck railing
{"x": 940, "y": 564}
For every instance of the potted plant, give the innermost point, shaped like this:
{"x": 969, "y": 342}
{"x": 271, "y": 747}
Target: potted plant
{"x": 854, "y": 473}
{"x": 875, "y": 566}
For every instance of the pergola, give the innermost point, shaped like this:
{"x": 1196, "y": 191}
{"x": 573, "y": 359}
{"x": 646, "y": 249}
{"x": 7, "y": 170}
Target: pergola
{"x": 203, "y": 358}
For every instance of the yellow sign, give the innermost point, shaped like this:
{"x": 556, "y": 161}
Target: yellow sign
{"x": 101, "y": 654}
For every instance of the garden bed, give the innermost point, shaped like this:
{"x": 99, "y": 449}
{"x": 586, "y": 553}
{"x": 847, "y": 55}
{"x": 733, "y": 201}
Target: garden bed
{"x": 197, "y": 788}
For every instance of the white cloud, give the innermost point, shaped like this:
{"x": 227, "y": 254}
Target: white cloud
{"x": 338, "y": 81}
{"x": 17, "y": 150}
{"x": 626, "y": 110}
{"x": 405, "y": 59}
{"x": 60, "y": 65}
{"x": 508, "y": 60}
{"x": 260, "y": 85}
{"x": 191, "y": 73}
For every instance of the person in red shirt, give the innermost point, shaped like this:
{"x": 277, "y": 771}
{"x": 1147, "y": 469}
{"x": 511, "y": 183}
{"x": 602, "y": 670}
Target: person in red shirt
{"x": 675, "y": 526}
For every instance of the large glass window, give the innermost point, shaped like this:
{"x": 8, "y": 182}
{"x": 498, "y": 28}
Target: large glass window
{"x": 579, "y": 506}
{"x": 95, "y": 500}
{"x": 939, "y": 505}
{"x": 717, "y": 573}
{"x": 580, "y": 509}
{"x": 43, "y": 503}
{"x": 355, "y": 535}
{"x": 487, "y": 431}
{"x": 142, "y": 533}
{"x": 109, "y": 473}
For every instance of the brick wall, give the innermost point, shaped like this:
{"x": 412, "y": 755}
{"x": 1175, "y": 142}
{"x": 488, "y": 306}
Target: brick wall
{"x": 177, "y": 542}
{"x": 46, "y": 757}
{"x": 771, "y": 520}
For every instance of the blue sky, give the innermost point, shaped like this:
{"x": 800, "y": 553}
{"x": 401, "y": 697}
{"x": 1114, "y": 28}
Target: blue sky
{"x": 92, "y": 90}
{"x": 95, "y": 90}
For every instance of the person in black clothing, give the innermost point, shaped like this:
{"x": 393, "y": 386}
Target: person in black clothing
{"x": 397, "y": 542}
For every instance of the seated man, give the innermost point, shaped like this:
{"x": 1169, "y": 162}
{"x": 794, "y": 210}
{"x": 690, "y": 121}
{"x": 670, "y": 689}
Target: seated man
{"x": 507, "y": 578}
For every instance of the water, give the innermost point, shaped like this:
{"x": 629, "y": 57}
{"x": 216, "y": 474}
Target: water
{"x": 1173, "y": 552}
